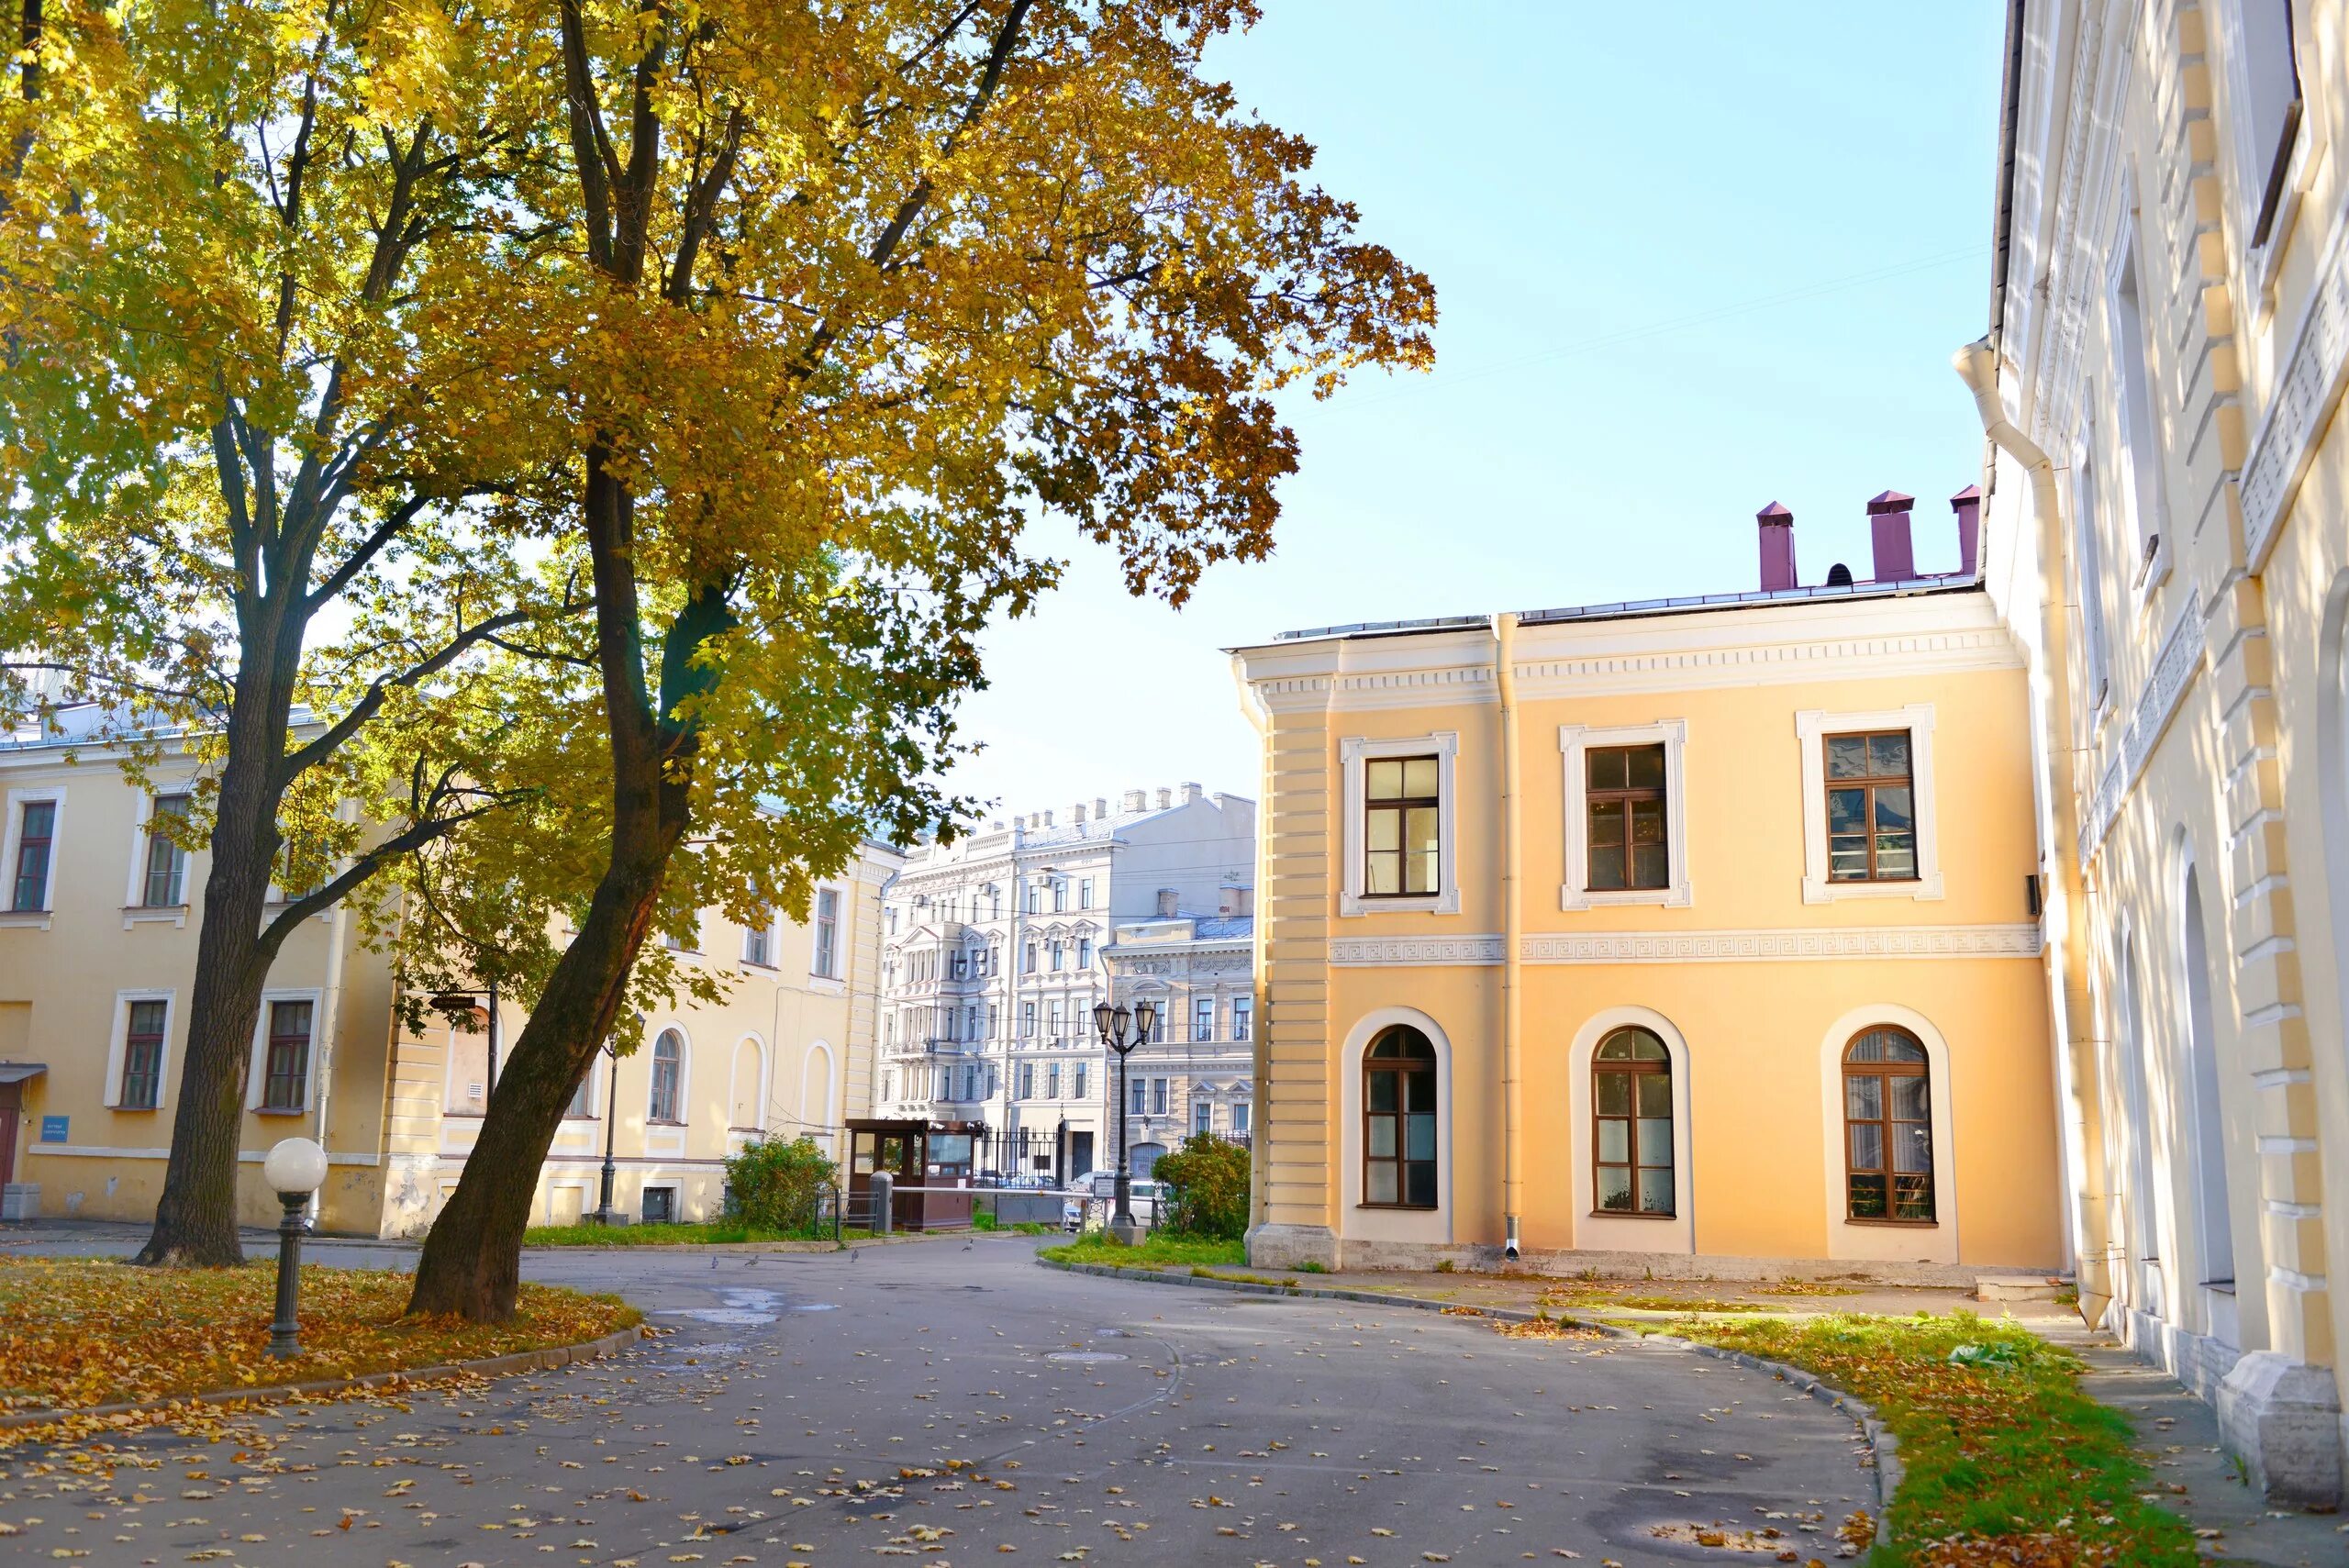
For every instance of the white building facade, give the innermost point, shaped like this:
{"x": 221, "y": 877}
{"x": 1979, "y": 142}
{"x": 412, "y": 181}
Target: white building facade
{"x": 994, "y": 956}
{"x": 1197, "y": 1073}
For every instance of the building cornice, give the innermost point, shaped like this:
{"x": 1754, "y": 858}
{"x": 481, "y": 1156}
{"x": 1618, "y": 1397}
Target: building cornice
{"x": 1748, "y": 946}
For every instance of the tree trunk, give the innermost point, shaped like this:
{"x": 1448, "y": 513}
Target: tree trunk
{"x": 472, "y": 1258}
{"x": 195, "y": 1222}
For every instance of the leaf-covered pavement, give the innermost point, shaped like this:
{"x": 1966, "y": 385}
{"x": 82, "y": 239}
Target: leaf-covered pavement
{"x": 945, "y": 1405}
{"x": 78, "y": 1333}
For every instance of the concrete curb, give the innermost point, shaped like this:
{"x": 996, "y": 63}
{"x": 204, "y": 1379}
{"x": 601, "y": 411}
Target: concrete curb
{"x": 492, "y": 1366}
{"x": 1883, "y": 1446}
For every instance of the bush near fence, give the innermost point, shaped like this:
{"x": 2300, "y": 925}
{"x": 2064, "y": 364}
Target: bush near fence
{"x": 780, "y": 1186}
{"x": 1206, "y": 1187}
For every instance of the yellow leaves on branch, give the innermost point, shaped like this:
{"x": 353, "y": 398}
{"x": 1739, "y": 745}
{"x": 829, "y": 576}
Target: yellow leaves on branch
{"x": 77, "y": 1332}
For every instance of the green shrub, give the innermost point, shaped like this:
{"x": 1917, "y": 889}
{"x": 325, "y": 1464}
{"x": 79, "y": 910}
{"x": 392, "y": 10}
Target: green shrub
{"x": 1206, "y": 1183}
{"x": 780, "y": 1186}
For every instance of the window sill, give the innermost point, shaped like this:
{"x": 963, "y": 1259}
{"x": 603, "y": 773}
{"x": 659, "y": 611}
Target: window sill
{"x": 281, "y": 1111}
{"x": 756, "y": 964}
{"x": 26, "y": 919}
{"x": 1571, "y": 898}
{"x": 1351, "y": 906}
{"x": 1627, "y": 1213}
{"x": 657, "y": 1121}
{"x": 1922, "y": 889}
{"x": 135, "y": 1110}
{"x": 1402, "y": 1208}
{"x": 1895, "y": 1224}
{"x": 146, "y": 914}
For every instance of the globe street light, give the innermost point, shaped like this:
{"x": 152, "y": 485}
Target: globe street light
{"x": 293, "y": 1170}
{"x": 1111, "y": 1022}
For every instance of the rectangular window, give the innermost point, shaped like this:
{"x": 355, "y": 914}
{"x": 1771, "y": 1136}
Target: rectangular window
{"x": 1080, "y": 1080}
{"x": 1053, "y": 1082}
{"x": 286, "y": 1083}
{"x": 1243, "y": 1018}
{"x": 1035, "y": 898}
{"x": 1202, "y": 1117}
{"x": 757, "y": 946}
{"x": 1158, "y": 1096}
{"x": 142, "y": 1057}
{"x": 164, "y": 886}
{"x": 1084, "y": 952}
{"x": 2273, "y": 110}
{"x": 1027, "y": 1080}
{"x": 583, "y": 1098}
{"x": 1871, "y": 808}
{"x": 1625, "y": 803}
{"x": 1400, "y": 829}
{"x": 827, "y": 932}
{"x": 1053, "y": 1020}
{"x": 1084, "y": 893}
{"x": 1141, "y": 1097}
{"x": 1059, "y": 895}
{"x": 1027, "y": 1020}
{"x": 1202, "y": 1018}
{"x": 1239, "y": 1118}
{"x": 35, "y": 828}
{"x": 1055, "y": 949}
{"x": 2133, "y": 369}
{"x": 1028, "y": 960}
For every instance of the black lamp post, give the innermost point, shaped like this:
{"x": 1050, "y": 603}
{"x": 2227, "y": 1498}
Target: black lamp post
{"x": 611, "y": 1121}
{"x": 1112, "y": 1022}
{"x": 294, "y": 1169}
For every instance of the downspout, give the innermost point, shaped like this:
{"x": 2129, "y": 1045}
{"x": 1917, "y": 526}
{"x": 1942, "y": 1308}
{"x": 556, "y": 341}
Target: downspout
{"x": 2064, "y": 900}
{"x": 1512, "y": 923}
{"x": 329, "y": 1011}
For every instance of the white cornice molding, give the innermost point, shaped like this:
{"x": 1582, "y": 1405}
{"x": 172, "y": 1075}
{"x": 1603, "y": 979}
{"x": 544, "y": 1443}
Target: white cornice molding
{"x": 1753, "y": 645}
{"x": 2174, "y": 667}
{"x": 2307, "y": 392}
{"x": 1780, "y": 944}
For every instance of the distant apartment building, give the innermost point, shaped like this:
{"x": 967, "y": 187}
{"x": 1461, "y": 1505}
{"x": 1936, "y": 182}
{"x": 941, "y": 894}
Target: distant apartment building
{"x": 1696, "y": 935}
{"x": 993, "y": 959}
{"x": 98, "y": 923}
{"x": 1197, "y": 1072}
{"x": 2162, "y": 376}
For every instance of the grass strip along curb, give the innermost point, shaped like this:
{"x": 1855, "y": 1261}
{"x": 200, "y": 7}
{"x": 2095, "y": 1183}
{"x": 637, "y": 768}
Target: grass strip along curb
{"x": 541, "y": 1359}
{"x": 1884, "y": 1446}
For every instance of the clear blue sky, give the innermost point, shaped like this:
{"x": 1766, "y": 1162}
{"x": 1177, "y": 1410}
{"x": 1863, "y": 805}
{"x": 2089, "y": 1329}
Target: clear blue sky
{"x": 1690, "y": 260}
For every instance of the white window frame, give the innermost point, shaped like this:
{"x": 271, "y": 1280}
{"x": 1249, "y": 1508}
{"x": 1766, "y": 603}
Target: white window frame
{"x": 118, "y": 1048}
{"x": 684, "y": 1076}
{"x": 839, "y": 920}
{"x": 11, "y": 833}
{"x": 1812, "y": 726}
{"x": 1212, "y": 1007}
{"x": 135, "y": 911}
{"x": 2132, "y": 385}
{"x": 754, "y": 933}
{"x": 256, "y": 1072}
{"x": 1352, "y": 752}
{"x": 1575, "y": 741}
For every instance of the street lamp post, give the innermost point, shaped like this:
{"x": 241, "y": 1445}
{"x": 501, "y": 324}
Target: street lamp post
{"x": 294, "y": 1169}
{"x": 611, "y": 1119}
{"x": 1111, "y": 1022}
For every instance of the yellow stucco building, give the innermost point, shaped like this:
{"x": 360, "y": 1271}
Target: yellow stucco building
{"x": 98, "y": 925}
{"x": 2169, "y": 344}
{"x": 1696, "y": 936}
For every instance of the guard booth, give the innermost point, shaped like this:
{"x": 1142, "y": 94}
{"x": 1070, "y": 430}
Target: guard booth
{"x": 917, "y": 1155}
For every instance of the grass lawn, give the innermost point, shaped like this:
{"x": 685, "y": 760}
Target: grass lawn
{"x": 716, "y": 1232}
{"x": 2006, "y": 1461}
{"x": 81, "y": 1331}
{"x": 1152, "y": 1252}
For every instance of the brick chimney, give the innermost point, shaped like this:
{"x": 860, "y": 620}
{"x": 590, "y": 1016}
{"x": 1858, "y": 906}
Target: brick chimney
{"x": 1896, "y": 557}
{"x": 1776, "y": 526}
{"x": 1967, "y": 505}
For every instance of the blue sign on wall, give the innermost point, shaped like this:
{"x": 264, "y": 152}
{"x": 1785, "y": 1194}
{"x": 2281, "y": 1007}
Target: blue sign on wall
{"x": 52, "y": 1129}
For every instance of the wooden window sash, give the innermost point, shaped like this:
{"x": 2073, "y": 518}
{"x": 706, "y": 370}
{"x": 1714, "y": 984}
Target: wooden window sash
{"x": 1628, "y": 796}
{"x": 1886, "y": 1123}
{"x": 1634, "y": 1071}
{"x": 1400, "y": 806}
{"x": 1868, "y": 784}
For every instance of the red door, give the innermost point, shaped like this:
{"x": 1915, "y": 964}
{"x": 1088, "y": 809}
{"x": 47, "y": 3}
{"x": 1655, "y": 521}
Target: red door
{"x": 11, "y": 1100}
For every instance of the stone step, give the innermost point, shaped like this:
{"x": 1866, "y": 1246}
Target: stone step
{"x": 2019, "y": 1287}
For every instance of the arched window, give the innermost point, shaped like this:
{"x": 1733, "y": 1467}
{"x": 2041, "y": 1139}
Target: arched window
{"x": 1630, "y": 1096}
{"x": 668, "y": 1068}
{"x": 1887, "y": 1129}
{"x": 1399, "y": 1120}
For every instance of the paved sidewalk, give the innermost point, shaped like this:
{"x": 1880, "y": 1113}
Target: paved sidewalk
{"x": 2177, "y": 1432}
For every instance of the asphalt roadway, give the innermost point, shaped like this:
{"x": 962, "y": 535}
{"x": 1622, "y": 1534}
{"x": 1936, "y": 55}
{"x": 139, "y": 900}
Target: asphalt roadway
{"x": 952, "y": 1404}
